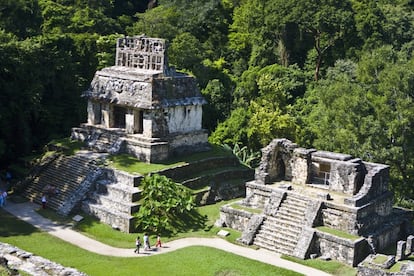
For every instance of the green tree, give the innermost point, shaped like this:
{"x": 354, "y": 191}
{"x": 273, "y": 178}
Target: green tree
{"x": 233, "y": 130}
{"x": 367, "y": 110}
{"x": 20, "y": 17}
{"x": 217, "y": 108}
{"x": 185, "y": 52}
{"x": 164, "y": 203}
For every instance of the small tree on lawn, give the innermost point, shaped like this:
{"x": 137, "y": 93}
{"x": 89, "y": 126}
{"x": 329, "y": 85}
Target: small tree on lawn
{"x": 163, "y": 204}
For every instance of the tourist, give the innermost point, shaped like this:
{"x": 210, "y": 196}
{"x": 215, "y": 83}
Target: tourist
{"x": 1, "y": 199}
{"x": 4, "y": 196}
{"x": 138, "y": 245}
{"x": 158, "y": 241}
{"x": 146, "y": 242}
{"x": 44, "y": 201}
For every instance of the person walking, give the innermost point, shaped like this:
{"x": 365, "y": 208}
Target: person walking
{"x": 4, "y": 195}
{"x": 158, "y": 243}
{"x": 137, "y": 244}
{"x": 1, "y": 199}
{"x": 146, "y": 242}
{"x": 44, "y": 201}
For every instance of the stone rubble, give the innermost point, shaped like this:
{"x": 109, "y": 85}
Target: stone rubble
{"x": 18, "y": 259}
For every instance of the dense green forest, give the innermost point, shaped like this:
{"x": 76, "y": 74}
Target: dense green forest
{"x": 336, "y": 75}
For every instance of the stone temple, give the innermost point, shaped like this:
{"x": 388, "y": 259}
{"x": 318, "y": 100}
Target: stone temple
{"x": 309, "y": 203}
{"x": 142, "y": 107}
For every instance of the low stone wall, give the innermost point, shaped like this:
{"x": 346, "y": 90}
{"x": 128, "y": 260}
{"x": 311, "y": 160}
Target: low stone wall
{"x": 147, "y": 152}
{"x": 257, "y": 195}
{"x": 122, "y": 222}
{"x": 339, "y": 217}
{"x": 183, "y": 171}
{"x": 32, "y": 264}
{"x": 343, "y": 250}
{"x": 183, "y": 143}
{"x": 234, "y": 218}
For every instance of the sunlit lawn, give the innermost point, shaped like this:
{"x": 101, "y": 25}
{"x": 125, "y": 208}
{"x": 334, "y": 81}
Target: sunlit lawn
{"x": 195, "y": 260}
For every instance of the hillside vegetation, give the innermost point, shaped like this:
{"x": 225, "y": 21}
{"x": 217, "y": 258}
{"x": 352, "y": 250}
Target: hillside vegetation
{"x": 334, "y": 75}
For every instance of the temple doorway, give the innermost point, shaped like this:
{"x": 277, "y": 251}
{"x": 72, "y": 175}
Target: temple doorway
{"x": 119, "y": 117}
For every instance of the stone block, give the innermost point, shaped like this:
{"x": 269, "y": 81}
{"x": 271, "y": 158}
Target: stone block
{"x": 401, "y": 246}
{"x": 223, "y": 233}
{"x": 77, "y": 218}
{"x": 410, "y": 245}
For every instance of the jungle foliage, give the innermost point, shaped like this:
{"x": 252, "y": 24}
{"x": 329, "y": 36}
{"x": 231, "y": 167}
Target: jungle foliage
{"x": 336, "y": 75}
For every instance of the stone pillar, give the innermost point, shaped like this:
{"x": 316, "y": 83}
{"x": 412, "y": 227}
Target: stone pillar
{"x": 130, "y": 121}
{"x": 107, "y": 115}
{"x": 301, "y": 162}
{"x": 410, "y": 245}
{"x": 401, "y": 246}
{"x": 94, "y": 113}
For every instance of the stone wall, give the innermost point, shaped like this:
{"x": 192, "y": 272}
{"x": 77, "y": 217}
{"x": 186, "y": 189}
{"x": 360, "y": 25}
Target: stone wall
{"x": 184, "y": 170}
{"x": 234, "y": 218}
{"x": 146, "y": 151}
{"x": 340, "y": 218}
{"x": 343, "y": 177}
{"x": 343, "y": 250}
{"x": 175, "y": 87}
{"x": 301, "y": 164}
{"x": 257, "y": 195}
{"x": 375, "y": 184}
{"x": 276, "y": 162}
{"x": 184, "y": 118}
{"x": 21, "y": 260}
{"x": 186, "y": 143}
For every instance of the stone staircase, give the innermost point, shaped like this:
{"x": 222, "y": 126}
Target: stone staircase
{"x": 112, "y": 196}
{"x": 281, "y": 232}
{"x": 66, "y": 173}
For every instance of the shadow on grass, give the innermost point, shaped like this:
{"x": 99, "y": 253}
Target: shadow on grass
{"x": 192, "y": 221}
{"x": 10, "y": 226}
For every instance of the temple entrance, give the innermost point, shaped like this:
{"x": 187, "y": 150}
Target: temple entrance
{"x": 280, "y": 170}
{"x": 140, "y": 122}
{"x": 321, "y": 173}
{"x": 119, "y": 117}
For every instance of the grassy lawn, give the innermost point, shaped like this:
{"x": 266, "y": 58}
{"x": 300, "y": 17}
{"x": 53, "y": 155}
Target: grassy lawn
{"x": 337, "y": 233}
{"x": 132, "y": 165}
{"x": 92, "y": 228}
{"x": 195, "y": 260}
{"x": 106, "y": 234}
{"x": 251, "y": 210}
{"x": 331, "y": 267}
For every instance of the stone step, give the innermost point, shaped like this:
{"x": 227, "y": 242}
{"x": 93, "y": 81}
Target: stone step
{"x": 278, "y": 235}
{"x": 276, "y": 229}
{"x": 120, "y": 191}
{"x": 279, "y": 248}
{"x": 293, "y": 205}
{"x": 66, "y": 173}
{"x": 288, "y": 243}
{"x": 112, "y": 203}
{"x": 123, "y": 221}
{"x": 286, "y": 222}
{"x": 296, "y": 201}
{"x": 292, "y": 214}
{"x": 218, "y": 176}
{"x": 290, "y": 220}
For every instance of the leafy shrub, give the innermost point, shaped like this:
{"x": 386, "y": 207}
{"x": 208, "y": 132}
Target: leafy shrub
{"x": 163, "y": 204}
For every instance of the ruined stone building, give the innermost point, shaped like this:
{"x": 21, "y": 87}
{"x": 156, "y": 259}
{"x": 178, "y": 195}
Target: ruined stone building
{"x": 299, "y": 194}
{"x": 141, "y": 106}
